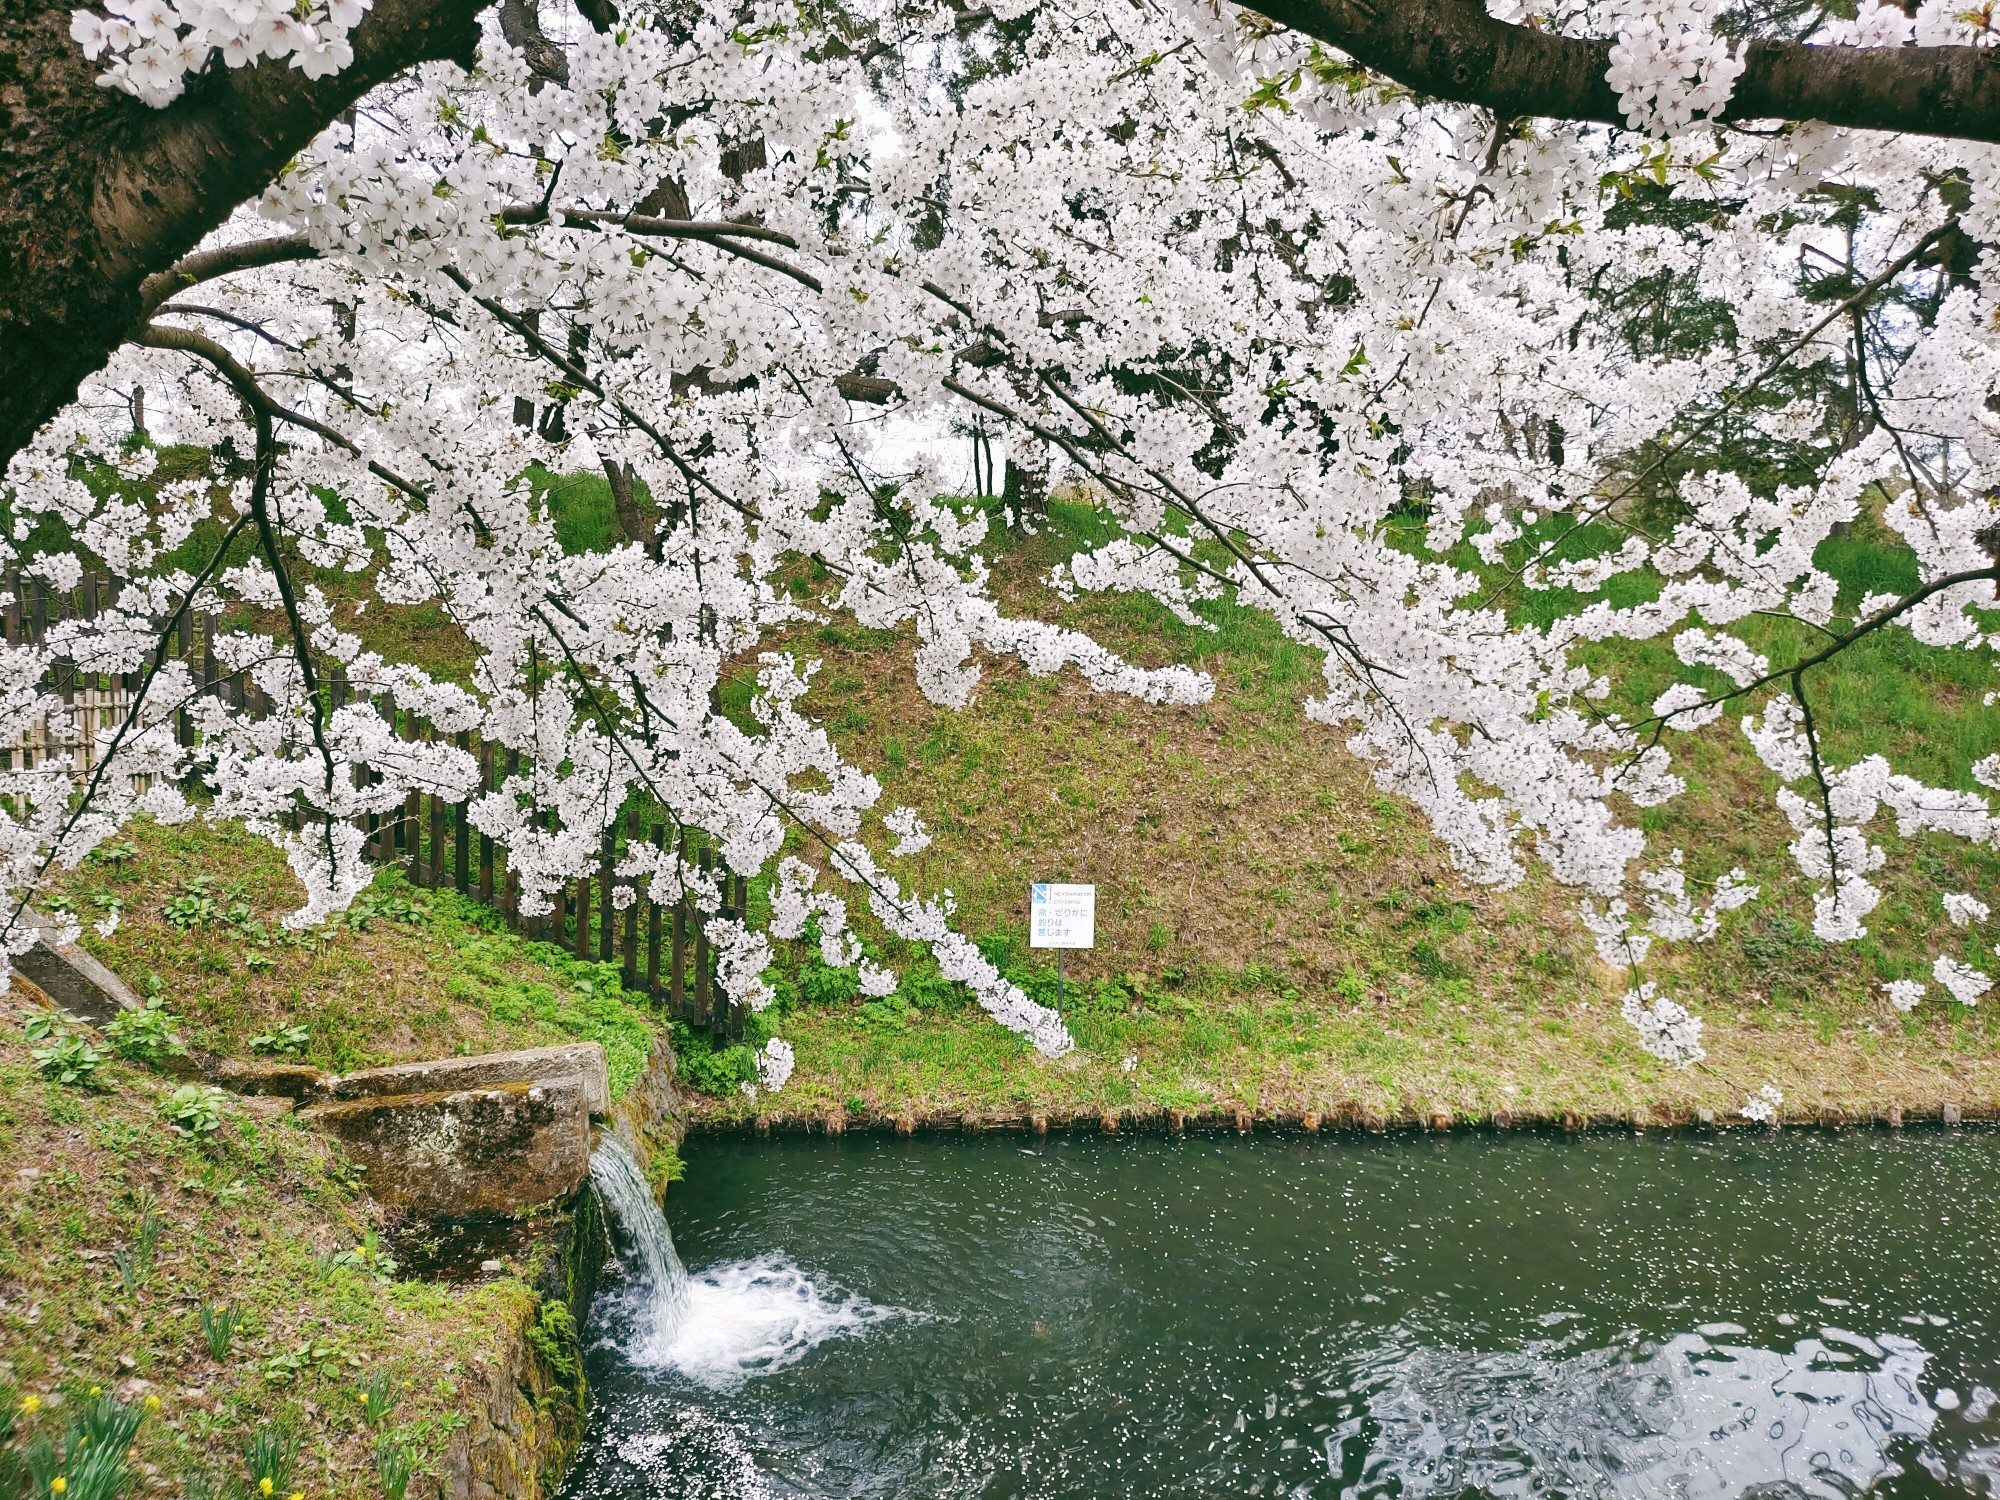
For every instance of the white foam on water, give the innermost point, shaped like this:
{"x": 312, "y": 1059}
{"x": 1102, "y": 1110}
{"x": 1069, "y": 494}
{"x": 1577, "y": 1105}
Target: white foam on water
{"x": 746, "y": 1318}
{"x": 738, "y": 1319}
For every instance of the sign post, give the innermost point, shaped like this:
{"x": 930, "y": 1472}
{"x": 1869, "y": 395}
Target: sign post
{"x": 1059, "y": 917}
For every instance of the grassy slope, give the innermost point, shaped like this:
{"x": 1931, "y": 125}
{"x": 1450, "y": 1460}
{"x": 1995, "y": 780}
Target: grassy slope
{"x": 254, "y": 1213}
{"x": 1275, "y": 933}
{"x": 410, "y": 974}
{"x": 251, "y": 1217}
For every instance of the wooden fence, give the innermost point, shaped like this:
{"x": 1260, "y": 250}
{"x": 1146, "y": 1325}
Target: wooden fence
{"x": 663, "y": 951}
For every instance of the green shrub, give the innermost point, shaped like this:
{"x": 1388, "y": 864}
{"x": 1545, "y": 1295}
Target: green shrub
{"x": 195, "y": 1109}
{"x": 1428, "y": 960}
{"x": 145, "y": 1036}
{"x": 378, "y": 1399}
{"x": 218, "y": 1327}
{"x": 820, "y": 983}
{"x": 282, "y": 1041}
{"x": 554, "y": 1337}
{"x": 392, "y": 1467}
{"x": 135, "y": 1261}
{"x": 90, "y": 1463}
{"x": 709, "y": 1068}
{"x": 64, "y": 1056}
{"x": 269, "y": 1456}
{"x": 197, "y": 906}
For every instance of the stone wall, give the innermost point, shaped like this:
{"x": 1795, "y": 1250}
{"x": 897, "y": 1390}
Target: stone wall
{"x": 526, "y": 1414}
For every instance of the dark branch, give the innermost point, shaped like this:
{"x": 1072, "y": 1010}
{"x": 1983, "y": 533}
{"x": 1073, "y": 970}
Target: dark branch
{"x": 103, "y": 193}
{"x": 206, "y": 265}
{"x": 1452, "y": 49}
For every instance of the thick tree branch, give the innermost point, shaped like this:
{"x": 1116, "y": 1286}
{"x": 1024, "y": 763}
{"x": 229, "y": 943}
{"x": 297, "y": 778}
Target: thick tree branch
{"x": 104, "y": 192}
{"x": 1452, "y": 49}
{"x": 206, "y": 265}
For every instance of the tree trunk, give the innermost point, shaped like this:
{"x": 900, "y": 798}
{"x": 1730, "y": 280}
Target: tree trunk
{"x": 102, "y": 190}
{"x": 1455, "y": 49}
{"x": 637, "y": 524}
{"x": 1026, "y": 495}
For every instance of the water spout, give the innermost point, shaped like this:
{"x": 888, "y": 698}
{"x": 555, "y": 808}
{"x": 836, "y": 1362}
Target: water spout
{"x": 652, "y": 1304}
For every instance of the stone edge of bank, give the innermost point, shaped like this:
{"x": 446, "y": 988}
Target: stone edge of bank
{"x": 1146, "y": 1119}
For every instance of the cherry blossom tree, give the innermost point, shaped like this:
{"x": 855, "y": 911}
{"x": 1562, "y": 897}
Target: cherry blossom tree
{"x": 1257, "y": 298}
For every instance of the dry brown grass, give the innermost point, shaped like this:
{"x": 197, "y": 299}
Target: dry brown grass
{"x": 1291, "y": 939}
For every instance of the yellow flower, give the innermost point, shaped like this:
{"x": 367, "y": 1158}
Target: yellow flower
{"x": 264, "y": 1485}
{"x": 152, "y": 1403}
{"x": 31, "y": 1404}
{"x": 298, "y": 1495}
{"x": 57, "y": 1485}
{"x": 97, "y": 1390}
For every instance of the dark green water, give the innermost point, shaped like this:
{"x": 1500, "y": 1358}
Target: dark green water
{"x": 1750, "y": 1313}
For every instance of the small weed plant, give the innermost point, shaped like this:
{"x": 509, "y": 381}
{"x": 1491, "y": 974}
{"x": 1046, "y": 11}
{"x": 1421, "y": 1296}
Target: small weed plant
{"x": 378, "y": 1399}
{"x": 392, "y": 1467}
{"x": 197, "y": 906}
{"x": 195, "y": 1109}
{"x": 90, "y": 1460}
{"x": 269, "y": 1456}
{"x": 65, "y": 1054}
{"x": 218, "y": 1328}
{"x": 145, "y": 1036}
{"x": 135, "y": 1260}
{"x": 282, "y": 1041}
{"x": 367, "y": 1259}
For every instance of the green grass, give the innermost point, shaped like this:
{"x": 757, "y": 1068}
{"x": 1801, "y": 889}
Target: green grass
{"x": 1274, "y": 932}
{"x": 258, "y": 1219}
{"x": 407, "y": 974}
{"x": 1243, "y": 858}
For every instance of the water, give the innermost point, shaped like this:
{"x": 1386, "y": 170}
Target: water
{"x": 1751, "y": 1313}
{"x": 647, "y": 1301}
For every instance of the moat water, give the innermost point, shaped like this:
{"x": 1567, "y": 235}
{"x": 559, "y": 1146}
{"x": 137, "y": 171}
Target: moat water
{"x": 1741, "y": 1313}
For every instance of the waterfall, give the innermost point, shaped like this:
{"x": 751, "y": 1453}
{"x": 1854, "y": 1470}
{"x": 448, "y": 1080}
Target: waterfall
{"x": 653, "y": 1301}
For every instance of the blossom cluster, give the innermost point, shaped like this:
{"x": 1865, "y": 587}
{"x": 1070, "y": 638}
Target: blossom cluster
{"x": 1668, "y": 65}
{"x": 151, "y": 47}
{"x": 1308, "y": 359}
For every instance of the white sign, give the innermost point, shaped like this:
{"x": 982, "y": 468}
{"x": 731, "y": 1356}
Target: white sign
{"x": 1062, "y": 916}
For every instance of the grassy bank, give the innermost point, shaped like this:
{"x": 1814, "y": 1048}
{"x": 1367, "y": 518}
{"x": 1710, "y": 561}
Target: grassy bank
{"x": 207, "y": 1260}
{"x": 228, "y": 1286}
{"x": 1275, "y": 934}
{"x": 406, "y": 974}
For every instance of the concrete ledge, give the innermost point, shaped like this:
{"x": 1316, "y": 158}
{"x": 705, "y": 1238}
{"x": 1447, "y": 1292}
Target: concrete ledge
{"x": 579, "y": 1062}
{"x": 466, "y": 1153}
{"x": 72, "y": 979}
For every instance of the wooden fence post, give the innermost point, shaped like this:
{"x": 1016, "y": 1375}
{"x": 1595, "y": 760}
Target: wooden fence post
{"x": 486, "y": 839}
{"x": 701, "y": 976}
{"x": 413, "y": 810}
{"x": 653, "y": 931}
{"x": 629, "y": 975}
{"x": 682, "y": 1007}
{"x": 607, "y": 913}
{"x": 436, "y": 880}
{"x": 462, "y": 854}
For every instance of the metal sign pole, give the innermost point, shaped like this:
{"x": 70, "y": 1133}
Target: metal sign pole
{"x": 1059, "y": 954}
